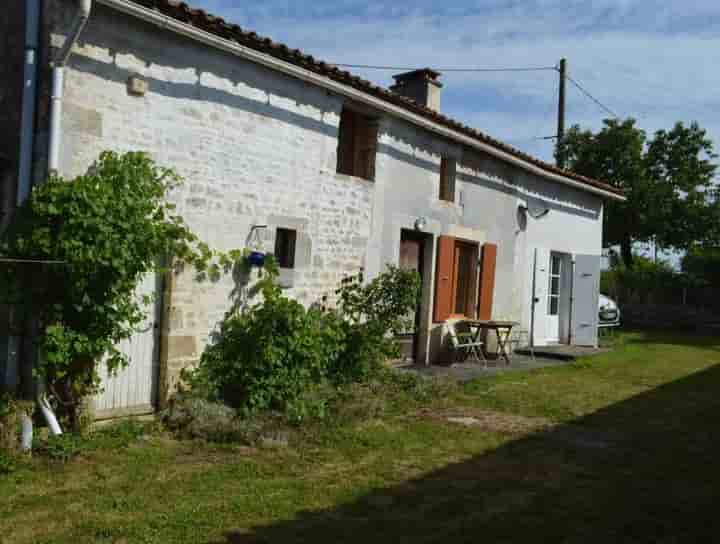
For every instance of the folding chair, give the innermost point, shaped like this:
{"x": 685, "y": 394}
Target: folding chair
{"x": 464, "y": 343}
{"x": 520, "y": 338}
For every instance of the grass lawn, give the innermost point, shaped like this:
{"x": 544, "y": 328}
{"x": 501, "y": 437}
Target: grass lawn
{"x": 623, "y": 447}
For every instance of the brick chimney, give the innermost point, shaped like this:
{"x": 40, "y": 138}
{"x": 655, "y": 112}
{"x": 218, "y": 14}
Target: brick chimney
{"x": 422, "y": 86}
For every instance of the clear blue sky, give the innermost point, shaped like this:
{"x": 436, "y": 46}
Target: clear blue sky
{"x": 656, "y": 60}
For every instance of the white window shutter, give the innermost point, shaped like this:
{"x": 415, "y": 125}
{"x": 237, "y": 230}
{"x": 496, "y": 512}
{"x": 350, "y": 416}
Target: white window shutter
{"x": 586, "y": 291}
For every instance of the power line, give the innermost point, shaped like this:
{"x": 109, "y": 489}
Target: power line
{"x": 591, "y": 97}
{"x": 409, "y": 68}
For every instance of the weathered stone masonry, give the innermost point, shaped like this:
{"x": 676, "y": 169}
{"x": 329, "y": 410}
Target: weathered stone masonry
{"x": 258, "y": 147}
{"x": 255, "y": 149}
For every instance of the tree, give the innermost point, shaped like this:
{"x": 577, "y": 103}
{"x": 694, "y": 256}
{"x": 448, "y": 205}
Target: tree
{"x": 90, "y": 241}
{"x": 667, "y": 180}
{"x": 703, "y": 263}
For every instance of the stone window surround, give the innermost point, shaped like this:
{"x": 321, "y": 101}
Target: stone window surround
{"x": 303, "y": 246}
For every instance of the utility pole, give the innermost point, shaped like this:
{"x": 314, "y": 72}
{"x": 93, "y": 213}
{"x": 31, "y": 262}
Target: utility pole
{"x": 559, "y": 151}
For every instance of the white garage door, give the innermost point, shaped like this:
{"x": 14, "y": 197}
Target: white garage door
{"x": 133, "y": 390}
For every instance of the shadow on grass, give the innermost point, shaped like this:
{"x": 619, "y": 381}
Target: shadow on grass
{"x": 642, "y": 470}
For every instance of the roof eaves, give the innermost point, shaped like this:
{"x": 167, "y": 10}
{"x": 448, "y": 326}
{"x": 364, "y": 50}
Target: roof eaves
{"x": 217, "y": 26}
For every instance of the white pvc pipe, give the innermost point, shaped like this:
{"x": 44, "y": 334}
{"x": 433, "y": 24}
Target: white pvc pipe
{"x": 48, "y": 414}
{"x": 81, "y": 19}
{"x": 56, "y": 98}
{"x": 26, "y": 436}
{"x": 164, "y": 21}
{"x": 58, "y": 80}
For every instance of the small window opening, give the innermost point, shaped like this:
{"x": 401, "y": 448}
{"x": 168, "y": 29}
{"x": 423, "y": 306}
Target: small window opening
{"x": 447, "y": 179}
{"x": 357, "y": 145}
{"x": 285, "y": 240}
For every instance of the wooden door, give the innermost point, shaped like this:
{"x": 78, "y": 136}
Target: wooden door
{"x": 133, "y": 390}
{"x": 411, "y": 258}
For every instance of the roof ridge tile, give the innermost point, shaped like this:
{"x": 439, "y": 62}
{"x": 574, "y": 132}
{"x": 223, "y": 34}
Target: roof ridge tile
{"x": 216, "y": 25}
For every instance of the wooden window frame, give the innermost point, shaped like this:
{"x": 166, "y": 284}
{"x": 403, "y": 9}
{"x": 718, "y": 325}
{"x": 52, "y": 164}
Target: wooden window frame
{"x": 357, "y": 144}
{"x": 448, "y": 168}
{"x": 287, "y": 260}
{"x": 471, "y": 296}
{"x": 551, "y": 276}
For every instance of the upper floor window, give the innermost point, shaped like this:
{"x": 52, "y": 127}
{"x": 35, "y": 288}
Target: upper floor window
{"x": 357, "y": 145}
{"x": 447, "y": 179}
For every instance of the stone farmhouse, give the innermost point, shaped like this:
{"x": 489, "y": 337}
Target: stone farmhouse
{"x": 330, "y": 172}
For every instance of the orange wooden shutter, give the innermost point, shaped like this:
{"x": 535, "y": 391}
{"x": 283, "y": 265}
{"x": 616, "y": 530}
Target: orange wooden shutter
{"x": 487, "y": 281}
{"x": 470, "y": 307}
{"x": 346, "y": 143}
{"x": 369, "y": 149}
{"x": 444, "y": 278}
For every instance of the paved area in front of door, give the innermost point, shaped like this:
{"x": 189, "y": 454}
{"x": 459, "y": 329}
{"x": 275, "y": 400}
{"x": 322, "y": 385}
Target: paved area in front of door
{"x": 467, "y": 371}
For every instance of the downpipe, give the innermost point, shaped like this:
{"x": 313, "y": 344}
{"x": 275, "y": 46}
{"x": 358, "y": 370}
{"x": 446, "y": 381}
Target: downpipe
{"x": 54, "y": 144}
{"x": 58, "y": 84}
{"x": 27, "y": 145}
{"x": 29, "y": 99}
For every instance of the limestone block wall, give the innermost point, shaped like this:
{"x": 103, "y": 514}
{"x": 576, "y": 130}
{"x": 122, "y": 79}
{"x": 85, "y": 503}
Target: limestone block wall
{"x": 255, "y": 148}
{"x": 258, "y": 148}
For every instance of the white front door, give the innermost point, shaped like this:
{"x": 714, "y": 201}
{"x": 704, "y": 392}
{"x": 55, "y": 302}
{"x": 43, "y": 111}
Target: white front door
{"x": 553, "y": 298}
{"x": 133, "y": 389}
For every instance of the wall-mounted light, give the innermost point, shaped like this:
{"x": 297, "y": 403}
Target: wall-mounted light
{"x": 420, "y": 223}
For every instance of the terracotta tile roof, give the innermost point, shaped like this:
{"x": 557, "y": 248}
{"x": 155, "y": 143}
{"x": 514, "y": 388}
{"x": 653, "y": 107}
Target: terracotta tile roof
{"x": 200, "y": 19}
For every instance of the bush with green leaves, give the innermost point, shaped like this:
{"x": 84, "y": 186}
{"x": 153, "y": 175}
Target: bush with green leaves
{"x": 91, "y": 240}
{"x": 371, "y": 315}
{"x": 270, "y": 355}
{"x": 63, "y": 447}
{"x": 264, "y": 357}
{"x": 648, "y": 282}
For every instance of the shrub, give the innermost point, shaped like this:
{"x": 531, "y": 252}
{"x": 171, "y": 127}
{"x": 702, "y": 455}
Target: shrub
{"x": 98, "y": 236}
{"x": 370, "y": 315}
{"x": 703, "y": 264}
{"x": 264, "y": 357}
{"x": 646, "y": 282}
{"x": 197, "y": 418}
{"x": 60, "y": 448}
{"x": 270, "y": 355}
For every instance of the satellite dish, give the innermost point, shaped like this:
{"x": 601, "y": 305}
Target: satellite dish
{"x": 536, "y": 208}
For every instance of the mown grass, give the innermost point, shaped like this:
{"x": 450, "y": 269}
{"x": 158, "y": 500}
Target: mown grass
{"x": 619, "y": 448}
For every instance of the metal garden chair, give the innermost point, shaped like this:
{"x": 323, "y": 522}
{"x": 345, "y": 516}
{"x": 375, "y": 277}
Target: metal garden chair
{"x": 464, "y": 343}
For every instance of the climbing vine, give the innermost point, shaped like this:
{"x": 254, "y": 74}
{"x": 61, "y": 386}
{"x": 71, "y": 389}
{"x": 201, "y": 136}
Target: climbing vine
{"x": 91, "y": 240}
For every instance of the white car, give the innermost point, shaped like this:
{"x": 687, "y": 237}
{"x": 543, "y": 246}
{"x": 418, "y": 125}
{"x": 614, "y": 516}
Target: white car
{"x": 609, "y": 312}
